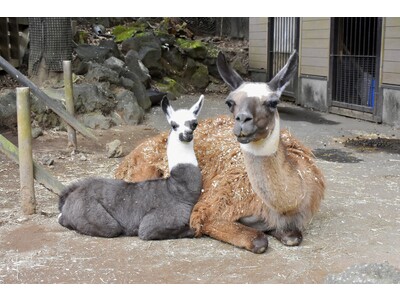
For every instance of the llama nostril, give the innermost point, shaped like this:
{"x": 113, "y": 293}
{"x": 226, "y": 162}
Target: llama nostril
{"x": 243, "y": 118}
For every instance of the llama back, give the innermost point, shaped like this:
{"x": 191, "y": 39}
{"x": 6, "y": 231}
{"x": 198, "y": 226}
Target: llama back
{"x": 147, "y": 161}
{"x": 65, "y": 193}
{"x": 300, "y": 154}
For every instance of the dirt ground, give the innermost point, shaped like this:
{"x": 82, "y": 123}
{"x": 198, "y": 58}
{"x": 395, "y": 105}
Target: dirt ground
{"x": 358, "y": 223}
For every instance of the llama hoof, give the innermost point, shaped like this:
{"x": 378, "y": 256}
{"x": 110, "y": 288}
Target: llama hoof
{"x": 260, "y": 244}
{"x": 288, "y": 238}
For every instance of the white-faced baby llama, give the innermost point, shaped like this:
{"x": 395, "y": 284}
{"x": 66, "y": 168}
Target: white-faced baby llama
{"x": 154, "y": 209}
{"x": 267, "y": 183}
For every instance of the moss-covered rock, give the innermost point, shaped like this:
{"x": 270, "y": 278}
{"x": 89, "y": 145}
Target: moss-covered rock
{"x": 200, "y": 78}
{"x": 193, "y": 48}
{"x": 171, "y": 87}
{"x": 123, "y": 33}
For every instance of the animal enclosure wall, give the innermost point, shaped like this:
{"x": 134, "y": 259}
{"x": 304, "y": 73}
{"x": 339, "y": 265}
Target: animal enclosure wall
{"x": 258, "y": 59}
{"x": 390, "y": 77}
{"x": 349, "y": 66}
{"x": 355, "y": 60}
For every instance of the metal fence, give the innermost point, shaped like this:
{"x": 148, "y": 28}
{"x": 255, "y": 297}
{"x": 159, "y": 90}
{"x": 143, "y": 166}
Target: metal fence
{"x": 354, "y": 61}
{"x": 283, "y": 37}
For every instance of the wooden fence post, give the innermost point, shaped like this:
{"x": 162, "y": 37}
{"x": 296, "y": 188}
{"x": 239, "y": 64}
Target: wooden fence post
{"x": 69, "y": 102}
{"x": 27, "y": 192}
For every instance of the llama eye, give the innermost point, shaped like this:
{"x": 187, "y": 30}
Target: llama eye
{"x": 174, "y": 125}
{"x": 193, "y": 126}
{"x": 272, "y": 103}
{"x": 230, "y": 104}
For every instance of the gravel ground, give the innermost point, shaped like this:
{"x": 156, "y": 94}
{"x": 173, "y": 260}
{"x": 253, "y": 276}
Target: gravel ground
{"x": 358, "y": 224}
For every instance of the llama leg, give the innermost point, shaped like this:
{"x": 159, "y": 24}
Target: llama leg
{"x": 94, "y": 221}
{"x": 237, "y": 234}
{"x": 153, "y": 227}
{"x": 290, "y": 237}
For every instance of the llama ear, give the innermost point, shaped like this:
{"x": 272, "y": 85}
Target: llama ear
{"x": 282, "y": 79}
{"x": 196, "y": 108}
{"x": 166, "y": 107}
{"x": 228, "y": 74}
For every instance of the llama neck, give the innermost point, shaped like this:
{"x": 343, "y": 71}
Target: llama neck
{"x": 261, "y": 160}
{"x": 267, "y": 146}
{"x": 180, "y": 152}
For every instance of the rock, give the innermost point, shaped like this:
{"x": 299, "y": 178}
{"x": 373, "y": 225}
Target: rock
{"x": 47, "y": 160}
{"x": 148, "y": 48}
{"x": 200, "y": 78}
{"x": 127, "y": 83}
{"x": 190, "y": 68}
{"x": 194, "y": 49}
{"x": 86, "y": 53}
{"x": 96, "y": 121}
{"x": 114, "y": 149}
{"x": 100, "y": 73}
{"x": 238, "y": 63}
{"x": 175, "y": 58}
{"x": 8, "y": 109}
{"x": 128, "y": 108}
{"x": 217, "y": 88}
{"x": 171, "y": 87}
{"x": 140, "y": 93}
{"x": 135, "y": 65}
{"x": 36, "y": 132}
{"x": 155, "y": 96}
{"x": 114, "y": 64}
{"x": 92, "y": 97}
{"x": 112, "y": 46}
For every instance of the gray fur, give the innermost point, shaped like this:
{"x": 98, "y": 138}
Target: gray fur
{"x": 153, "y": 210}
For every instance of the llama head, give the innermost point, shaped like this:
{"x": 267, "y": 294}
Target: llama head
{"x": 183, "y": 121}
{"x": 254, "y": 104}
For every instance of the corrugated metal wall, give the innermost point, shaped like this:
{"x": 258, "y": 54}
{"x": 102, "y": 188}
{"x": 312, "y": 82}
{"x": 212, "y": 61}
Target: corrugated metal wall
{"x": 391, "y": 52}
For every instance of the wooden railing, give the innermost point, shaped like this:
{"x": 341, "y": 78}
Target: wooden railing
{"x": 30, "y": 170}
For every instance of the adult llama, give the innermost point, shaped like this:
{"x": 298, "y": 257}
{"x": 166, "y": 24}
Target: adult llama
{"x": 258, "y": 180}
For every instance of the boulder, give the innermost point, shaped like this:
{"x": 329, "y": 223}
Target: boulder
{"x": 171, "y": 87}
{"x": 8, "y": 109}
{"x": 175, "y": 58}
{"x": 128, "y": 108}
{"x": 239, "y": 64}
{"x": 112, "y": 46}
{"x": 155, "y": 96}
{"x": 193, "y": 48}
{"x": 92, "y": 97}
{"x": 98, "y": 73}
{"x": 148, "y": 48}
{"x": 114, "y": 63}
{"x": 200, "y": 78}
{"x": 114, "y": 149}
{"x": 93, "y": 53}
{"x": 135, "y": 65}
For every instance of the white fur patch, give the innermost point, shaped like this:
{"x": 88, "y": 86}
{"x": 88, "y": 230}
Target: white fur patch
{"x": 267, "y": 146}
{"x": 254, "y": 89}
{"x": 179, "y": 152}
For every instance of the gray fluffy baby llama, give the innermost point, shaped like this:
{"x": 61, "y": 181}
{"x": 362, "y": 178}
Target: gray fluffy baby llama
{"x": 154, "y": 209}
